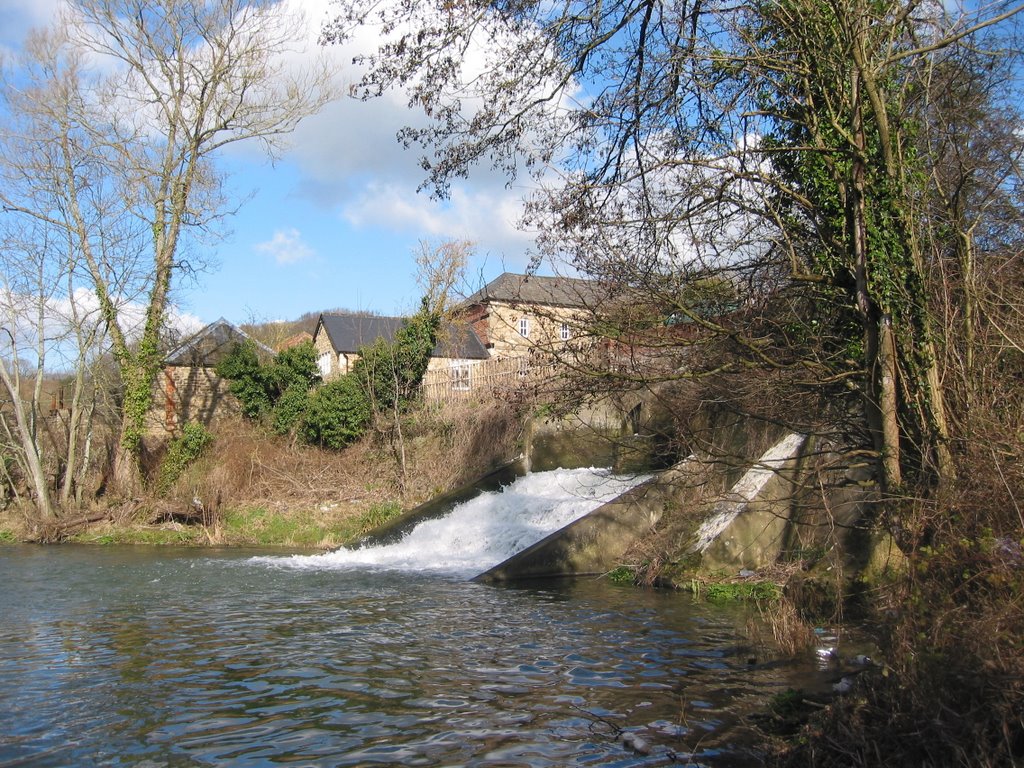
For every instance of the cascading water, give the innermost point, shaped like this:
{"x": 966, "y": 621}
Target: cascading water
{"x": 487, "y": 529}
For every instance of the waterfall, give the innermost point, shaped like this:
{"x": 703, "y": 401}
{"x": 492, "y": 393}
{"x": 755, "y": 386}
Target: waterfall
{"x": 487, "y": 529}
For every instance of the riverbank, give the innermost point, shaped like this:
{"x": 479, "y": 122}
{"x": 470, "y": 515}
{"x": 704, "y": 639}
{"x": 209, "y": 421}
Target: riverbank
{"x": 250, "y": 487}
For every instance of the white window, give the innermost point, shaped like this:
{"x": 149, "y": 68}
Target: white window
{"x": 524, "y": 327}
{"x": 324, "y": 364}
{"x": 460, "y": 378}
{"x": 564, "y": 332}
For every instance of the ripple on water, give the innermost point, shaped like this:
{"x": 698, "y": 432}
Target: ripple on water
{"x": 199, "y": 659}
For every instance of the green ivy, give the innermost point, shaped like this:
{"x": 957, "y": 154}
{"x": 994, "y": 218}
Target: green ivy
{"x": 182, "y": 453}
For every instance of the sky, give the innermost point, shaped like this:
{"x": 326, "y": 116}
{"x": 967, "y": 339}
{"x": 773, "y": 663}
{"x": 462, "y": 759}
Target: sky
{"x": 334, "y": 222}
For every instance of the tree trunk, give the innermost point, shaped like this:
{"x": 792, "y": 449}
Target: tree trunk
{"x": 888, "y": 402}
{"x": 880, "y": 348}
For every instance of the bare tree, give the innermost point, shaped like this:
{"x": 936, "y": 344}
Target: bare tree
{"x": 150, "y": 91}
{"x": 767, "y": 144}
{"x": 27, "y": 294}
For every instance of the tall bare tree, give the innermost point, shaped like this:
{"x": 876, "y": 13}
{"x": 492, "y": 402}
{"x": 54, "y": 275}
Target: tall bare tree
{"x": 150, "y": 92}
{"x": 771, "y": 144}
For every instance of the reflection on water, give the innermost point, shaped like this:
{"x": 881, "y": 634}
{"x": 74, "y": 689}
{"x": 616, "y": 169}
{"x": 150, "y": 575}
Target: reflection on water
{"x": 137, "y": 656}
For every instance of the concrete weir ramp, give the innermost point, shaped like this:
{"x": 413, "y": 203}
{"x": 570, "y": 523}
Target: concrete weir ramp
{"x": 591, "y": 543}
{"x": 724, "y": 528}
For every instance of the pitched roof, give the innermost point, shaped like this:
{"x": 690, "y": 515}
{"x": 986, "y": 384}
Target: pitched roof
{"x": 293, "y": 341}
{"x": 209, "y": 346}
{"x": 347, "y": 333}
{"x": 538, "y": 289}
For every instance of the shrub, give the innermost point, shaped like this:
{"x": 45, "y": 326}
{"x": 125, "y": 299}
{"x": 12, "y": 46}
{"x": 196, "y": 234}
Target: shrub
{"x": 290, "y": 408}
{"x": 391, "y": 372}
{"x": 250, "y": 380}
{"x": 293, "y": 368}
{"x": 277, "y": 390}
{"x": 336, "y": 414}
{"x": 182, "y": 452}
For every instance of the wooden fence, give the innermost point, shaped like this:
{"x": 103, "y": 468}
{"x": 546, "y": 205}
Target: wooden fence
{"x": 505, "y": 378}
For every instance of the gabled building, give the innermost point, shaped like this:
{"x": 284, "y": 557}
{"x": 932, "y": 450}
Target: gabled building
{"x": 515, "y": 314}
{"x": 338, "y": 339}
{"x": 188, "y": 388}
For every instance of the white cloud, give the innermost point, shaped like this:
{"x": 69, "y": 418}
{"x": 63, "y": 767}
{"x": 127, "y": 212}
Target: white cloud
{"x": 351, "y": 160}
{"x": 64, "y": 317}
{"x": 480, "y": 216}
{"x": 286, "y": 246}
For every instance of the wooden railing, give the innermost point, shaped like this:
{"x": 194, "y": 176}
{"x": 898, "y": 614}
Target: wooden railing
{"x": 485, "y": 379}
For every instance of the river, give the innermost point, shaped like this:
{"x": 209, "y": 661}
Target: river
{"x": 141, "y": 656}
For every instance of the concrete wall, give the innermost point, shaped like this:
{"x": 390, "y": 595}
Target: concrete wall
{"x": 594, "y": 543}
{"x": 802, "y": 508}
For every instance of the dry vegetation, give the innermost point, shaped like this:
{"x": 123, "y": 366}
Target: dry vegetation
{"x": 253, "y": 487}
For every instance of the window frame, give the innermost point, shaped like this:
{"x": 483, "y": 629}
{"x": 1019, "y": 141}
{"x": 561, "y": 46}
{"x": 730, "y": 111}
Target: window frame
{"x": 461, "y": 377}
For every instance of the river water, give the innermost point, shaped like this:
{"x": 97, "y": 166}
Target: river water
{"x": 178, "y": 657}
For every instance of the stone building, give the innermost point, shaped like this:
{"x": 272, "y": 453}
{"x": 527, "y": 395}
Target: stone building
{"x": 338, "y": 339}
{"x": 514, "y": 315}
{"x": 188, "y": 388}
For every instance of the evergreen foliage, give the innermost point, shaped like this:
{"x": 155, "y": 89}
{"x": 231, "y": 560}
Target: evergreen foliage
{"x": 336, "y": 414}
{"x": 182, "y": 453}
{"x": 391, "y": 372}
{"x": 276, "y": 391}
{"x": 249, "y": 379}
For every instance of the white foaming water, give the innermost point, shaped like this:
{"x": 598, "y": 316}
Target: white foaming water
{"x": 487, "y": 529}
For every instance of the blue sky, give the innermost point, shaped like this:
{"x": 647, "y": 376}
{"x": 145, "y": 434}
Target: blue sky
{"x": 335, "y": 221}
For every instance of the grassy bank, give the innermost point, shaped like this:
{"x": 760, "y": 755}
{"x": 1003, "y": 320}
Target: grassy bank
{"x": 249, "y": 487}
{"x": 249, "y": 526}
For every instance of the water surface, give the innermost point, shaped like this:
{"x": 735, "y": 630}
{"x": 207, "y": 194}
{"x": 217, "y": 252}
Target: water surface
{"x": 156, "y": 657}
{"x": 387, "y": 655}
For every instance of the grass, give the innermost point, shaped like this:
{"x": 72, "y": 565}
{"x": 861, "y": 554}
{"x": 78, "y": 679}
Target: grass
{"x": 149, "y": 535}
{"x": 247, "y": 526}
{"x": 622, "y": 575}
{"x": 736, "y": 591}
{"x": 258, "y": 526}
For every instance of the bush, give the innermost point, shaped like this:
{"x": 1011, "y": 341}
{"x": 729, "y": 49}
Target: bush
{"x": 250, "y": 380}
{"x": 391, "y": 372}
{"x": 293, "y": 368}
{"x": 182, "y": 452}
{"x": 277, "y": 390}
{"x": 336, "y": 414}
{"x": 290, "y": 409}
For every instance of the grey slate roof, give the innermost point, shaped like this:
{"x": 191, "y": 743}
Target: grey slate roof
{"x": 538, "y": 289}
{"x": 347, "y": 333}
{"x": 212, "y": 344}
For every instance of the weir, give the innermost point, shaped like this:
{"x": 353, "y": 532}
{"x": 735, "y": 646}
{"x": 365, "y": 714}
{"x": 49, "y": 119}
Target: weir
{"x": 477, "y": 533}
{"x": 571, "y": 522}
{"x": 595, "y": 543}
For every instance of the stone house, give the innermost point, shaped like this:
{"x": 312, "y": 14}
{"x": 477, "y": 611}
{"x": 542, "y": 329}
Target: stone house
{"x": 188, "y": 388}
{"x": 338, "y": 339}
{"x": 514, "y": 315}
